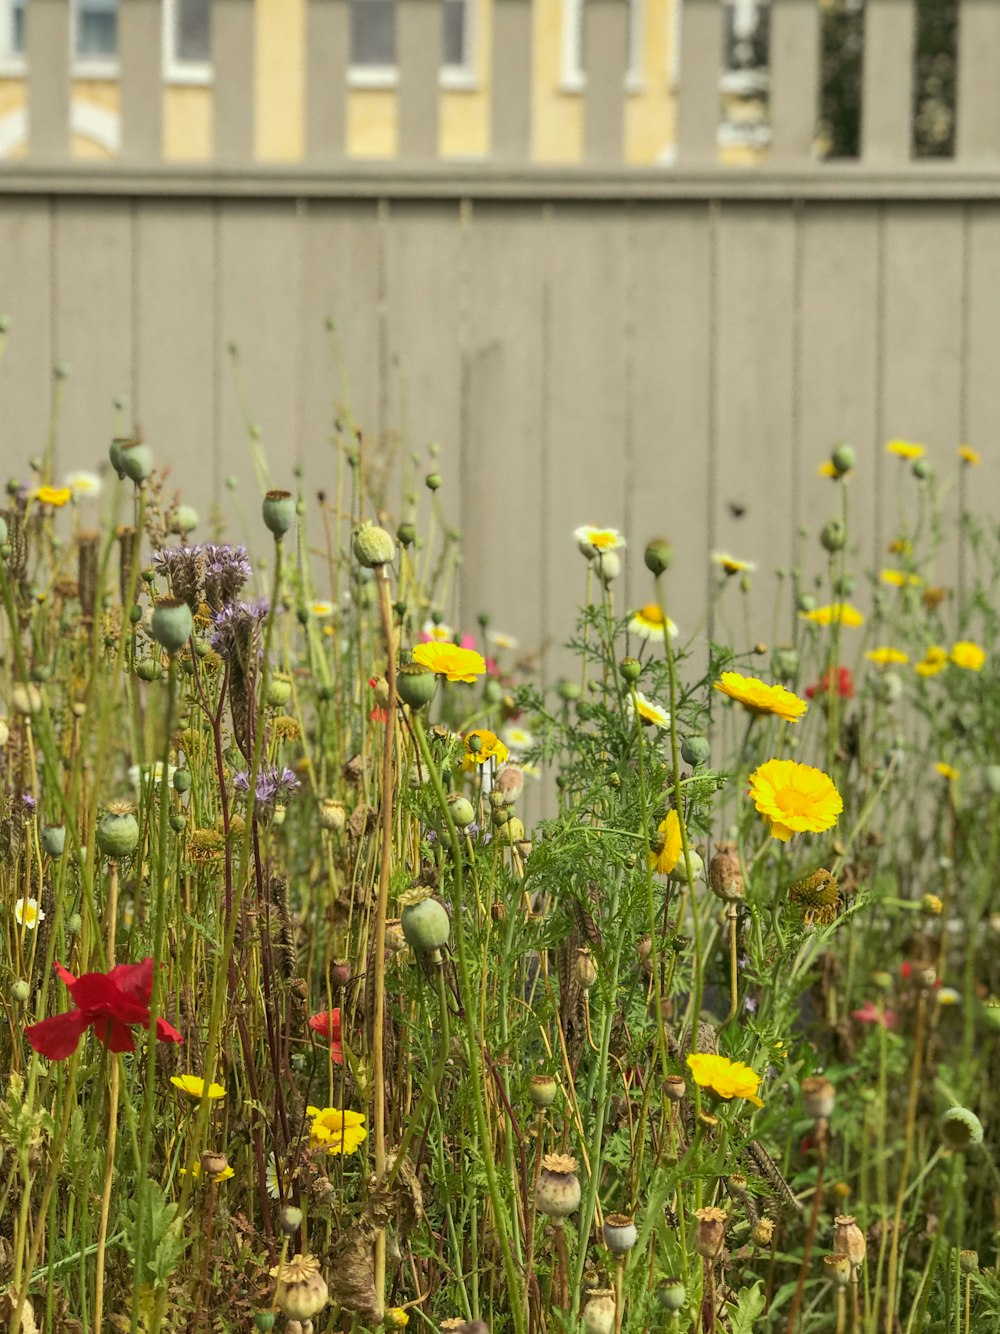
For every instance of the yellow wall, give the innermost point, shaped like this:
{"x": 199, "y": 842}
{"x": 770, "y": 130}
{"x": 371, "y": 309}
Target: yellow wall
{"x": 187, "y": 123}
{"x": 556, "y": 116}
{"x": 280, "y": 80}
{"x": 650, "y": 113}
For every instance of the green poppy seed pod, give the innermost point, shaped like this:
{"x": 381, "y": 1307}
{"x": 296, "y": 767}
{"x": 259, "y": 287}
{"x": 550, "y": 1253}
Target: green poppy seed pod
{"x": 462, "y": 810}
{"x": 182, "y": 780}
{"x": 844, "y": 586}
{"x": 279, "y": 691}
{"x": 172, "y": 624}
{"x": 407, "y": 533}
{"x": 134, "y": 614}
{"x": 658, "y": 556}
{"x": 136, "y": 458}
{"x": 115, "y": 455}
{"x": 4, "y": 324}
{"x": 178, "y": 823}
{"x": 373, "y": 546}
{"x": 278, "y": 511}
{"x": 416, "y": 684}
{"x": 631, "y": 670}
{"x": 20, "y": 991}
{"x": 969, "y": 1261}
{"x": 148, "y": 669}
{"x": 291, "y": 1219}
{"x": 679, "y": 874}
{"x": 838, "y": 1266}
{"x": 74, "y": 924}
{"x": 558, "y": 1192}
{"x": 620, "y": 1233}
{"x": 805, "y": 602}
{"x": 842, "y": 459}
{"x": 542, "y": 1090}
{"x": 183, "y": 520}
{"x": 961, "y": 1129}
{"x": 425, "y": 922}
{"x": 118, "y": 832}
{"x": 833, "y": 535}
{"x": 432, "y": 481}
{"x": 695, "y": 749}
{"x": 513, "y": 828}
{"x": 61, "y": 370}
{"x": 671, "y": 1294}
{"x": 921, "y": 469}
{"x": 568, "y": 691}
{"x": 599, "y": 1313}
{"x": 54, "y": 839}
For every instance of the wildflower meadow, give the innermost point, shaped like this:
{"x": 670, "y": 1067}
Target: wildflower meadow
{"x": 354, "y": 975}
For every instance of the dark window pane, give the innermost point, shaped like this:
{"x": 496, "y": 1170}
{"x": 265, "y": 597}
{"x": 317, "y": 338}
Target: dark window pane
{"x": 17, "y": 27}
{"x": 97, "y": 28}
{"x": 746, "y": 37}
{"x": 192, "y": 30}
{"x": 453, "y": 52}
{"x": 373, "y": 32}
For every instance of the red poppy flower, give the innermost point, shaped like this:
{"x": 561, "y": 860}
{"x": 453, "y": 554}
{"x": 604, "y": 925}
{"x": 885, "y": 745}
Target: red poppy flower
{"x": 327, "y": 1025}
{"x": 377, "y": 714}
{"x": 112, "y": 1003}
{"x": 844, "y": 684}
{"x": 871, "y": 1014}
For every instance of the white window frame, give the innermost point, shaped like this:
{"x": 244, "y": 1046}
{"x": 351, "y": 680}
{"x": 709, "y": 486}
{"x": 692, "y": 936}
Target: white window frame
{"x": 572, "y": 76}
{"x": 454, "y": 78}
{"x": 13, "y": 64}
{"x": 195, "y": 72}
{"x": 90, "y": 67}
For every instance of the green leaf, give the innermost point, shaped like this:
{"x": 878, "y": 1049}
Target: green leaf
{"x": 749, "y": 1305}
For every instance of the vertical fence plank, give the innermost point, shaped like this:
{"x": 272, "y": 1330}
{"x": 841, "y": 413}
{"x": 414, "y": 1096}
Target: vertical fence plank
{"x": 175, "y": 345}
{"x": 670, "y": 393}
{"x": 794, "y": 94}
{"x": 887, "y": 82}
{"x": 606, "y": 47}
{"x": 700, "y": 65}
{"x": 233, "y": 60}
{"x": 93, "y": 292}
{"x": 979, "y": 486}
{"x": 47, "y": 25}
{"x": 510, "y": 87}
{"x": 328, "y": 38}
{"x": 978, "y": 129}
{"x": 141, "y": 40}
{"x": 419, "y": 43}
{"x": 25, "y": 299}
{"x": 755, "y": 518}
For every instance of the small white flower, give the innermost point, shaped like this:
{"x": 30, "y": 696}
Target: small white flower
{"x": 321, "y": 609}
{"x": 649, "y": 712}
{"x": 499, "y": 640}
{"x": 732, "y": 564}
{"x": 593, "y": 540}
{"x": 517, "y": 738}
{"x": 28, "y": 914}
{"x": 149, "y": 776}
{"x": 649, "y": 622}
{"x": 438, "y": 633}
{"x": 83, "y": 484}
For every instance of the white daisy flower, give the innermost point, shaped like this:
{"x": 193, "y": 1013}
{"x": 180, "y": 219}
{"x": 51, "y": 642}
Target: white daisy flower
{"x": 594, "y": 541}
{"x": 28, "y": 914}
{"x": 83, "y": 484}
{"x": 649, "y": 711}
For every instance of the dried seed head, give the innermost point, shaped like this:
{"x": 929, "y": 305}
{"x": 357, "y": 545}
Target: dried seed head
{"x": 849, "y": 1240}
{"x": 839, "y": 1268}
{"x": 558, "y": 1192}
{"x": 725, "y": 874}
{"x": 818, "y": 1096}
{"x": 302, "y": 1290}
{"x": 711, "y": 1233}
{"x": 673, "y": 1088}
{"x": 586, "y": 969}
{"x": 762, "y": 1232}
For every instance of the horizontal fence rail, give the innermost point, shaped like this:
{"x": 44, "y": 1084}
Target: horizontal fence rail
{"x": 507, "y": 30}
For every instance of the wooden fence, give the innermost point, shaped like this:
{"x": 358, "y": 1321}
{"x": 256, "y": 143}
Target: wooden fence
{"x": 668, "y": 351}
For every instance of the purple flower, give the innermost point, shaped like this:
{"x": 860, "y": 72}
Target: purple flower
{"x": 211, "y": 572}
{"x": 236, "y": 632}
{"x": 28, "y": 801}
{"x": 272, "y": 783}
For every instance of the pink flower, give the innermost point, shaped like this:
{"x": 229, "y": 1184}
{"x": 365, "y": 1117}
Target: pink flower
{"x": 871, "y": 1014}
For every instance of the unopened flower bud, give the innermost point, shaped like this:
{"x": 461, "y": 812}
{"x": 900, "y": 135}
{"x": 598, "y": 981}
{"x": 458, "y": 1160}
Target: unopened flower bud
{"x": 631, "y": 670}
{"x": 373, "y": 546}
{"x": 695, "y": 750}
{"x": 833, "y": 536}
{"x": 658, "y": 555}
{"x": 20, "y": 991}
{"x": 290, "y": 1219}
{"x": 842, "y": 459}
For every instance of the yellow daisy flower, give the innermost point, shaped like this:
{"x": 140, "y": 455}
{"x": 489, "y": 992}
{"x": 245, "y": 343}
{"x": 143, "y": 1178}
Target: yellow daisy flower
{"x": 728, "y": 1079}
{"x": 885, "y": 655}
{"x": 731, "y": 564}
{"x": 667, "y": 852}
{"x": 899, "y": 579}
{"x": 969, "y": 455}
{"x": 754, "y": 695}
{"x": 593, "y": 541}
{"x": 482, "y": 745}
{"x": 335, "y": 1130}
{"x": 968, "y": 655}
{"x": 905, "y": 449}
{"x": 450, "y": 661}
{"x": 946, "y": 771}
{"x": 649, "y": 622}
{"x": 835, "y": 611}
{"x": 56, "y": 496}
{"x": 794, "y": 798}
{"x": 935, "y": 660}
{"x": 649, "y": 712}
{"x": 194, "y": 1085}
{"x": 396, "y": 1317}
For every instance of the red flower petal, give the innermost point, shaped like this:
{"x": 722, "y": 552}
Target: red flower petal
{"x": 101, "y": 998}
{"x": 166, "y": 1032}
{"x": 58, "y": 1037}
{"x": 134, "y": 980}
{"x": 115, "y": 1035}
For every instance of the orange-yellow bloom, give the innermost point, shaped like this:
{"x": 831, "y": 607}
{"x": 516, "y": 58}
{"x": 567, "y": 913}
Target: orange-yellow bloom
{"x": 728, "y": 1079}
{"x": 968, "y": 655}
{"x": 758, "y": 697}
{"x": 905, "y": 449}
{"x": 835, "y": 611}
{"x": 57, "y": 496}
{"x": 885, "y": 655}
{"x": 935, "y": 660}
{"x": 450, "y": 661}
{"x": 666, "y": 856}
{"x": 794, "y": 798}
{"x": 969, "y": 455}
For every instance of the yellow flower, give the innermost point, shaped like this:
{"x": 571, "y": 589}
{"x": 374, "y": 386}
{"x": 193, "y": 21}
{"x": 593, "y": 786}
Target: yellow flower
{"x": 754, "y": 695}
{"x": 482, "y": 745}
{"x": 835, "y": 611}
{"x": 335, "y": 1130}
{"x": 57, "y": 496}
{"x": 320, "y": 608}
{"x": 450, "y": 661}
{"x": 195, "y": 1086}
{"x": 935, "y": 660}
{"x": 901, "y": 546}
{"x": 968, "y": 655}
{"x": 932, "y": 904}
{"x": 946, "y": 771}
{"x": 665, "y": 857}
{"x": 828, "y": 470}
{"x": 224, "y": 1175}
{"x": 729, "y": 1079}
{"x": 730, "y": 564}
{"x": 899, "y": 579}
{"x": 396, "y": 1317}
{"x": 794, "y": 798}
{"x": 885, "y": 655}
{"x": 592, "y": 540}
{"x": 648, "y": 711}
{"x": 905, "y": 449}
{"x": 649, "y": 621}
{"x": 969, "y": 455}
{"x": 28, "y": 914}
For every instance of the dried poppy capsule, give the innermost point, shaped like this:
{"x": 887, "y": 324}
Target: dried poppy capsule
{"x": 839, "y": 1267}
{"x": 818, "y": 1096}
{"x": 558, "y": 1192}
{"x": 849, "y": 1240}
{"x": 599, "y": 1313}
{"x": 711, "y": 1233}
{"x": 725, "y": 875}
{"x": 302, "y": 1290}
